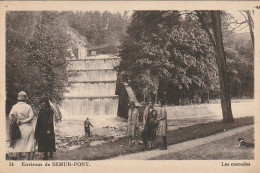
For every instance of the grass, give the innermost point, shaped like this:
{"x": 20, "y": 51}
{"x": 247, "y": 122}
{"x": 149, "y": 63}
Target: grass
{"x": 223, "y": 149}
{"x": 120, "y": 147}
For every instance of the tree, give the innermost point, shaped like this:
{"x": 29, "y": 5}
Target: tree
{"x": 240, "y": 64}
{"x": 217, "y": 41}
{"x": 165, "y": 52}
{"x": 250, "y": 22}
{"x": 99, "y": 28}
{"x": 36, "y": 56}
{"x": 20, "y": 27}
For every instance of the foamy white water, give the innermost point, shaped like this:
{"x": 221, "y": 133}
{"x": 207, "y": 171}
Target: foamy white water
{"x": 92, "y": 91}
{"x": 94, "y": 64}
{"x": 95, "y": 75}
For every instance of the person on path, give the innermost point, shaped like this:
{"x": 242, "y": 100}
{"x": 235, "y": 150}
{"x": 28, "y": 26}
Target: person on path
{"x": 44, "y": 132}
{"x": 23, "y": 114}
{"x": 132, "y": 125}
{"x": 162, "y": 119}
{"x": 150, "y": 126}
{"x": 87, "y": 125}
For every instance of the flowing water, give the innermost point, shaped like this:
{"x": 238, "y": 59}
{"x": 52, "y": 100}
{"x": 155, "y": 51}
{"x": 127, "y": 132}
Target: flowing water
{"x": 94, "y": 63}
{"x": 92, "y": 90}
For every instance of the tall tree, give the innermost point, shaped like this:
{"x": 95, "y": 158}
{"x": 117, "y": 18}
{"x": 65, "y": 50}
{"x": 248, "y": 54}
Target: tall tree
{"x": 217, "y": 41}
{"x": 250, "y": 21}
{"x": 167, "y": 53}
{"x": 37, "y": 47}
{"x": 98, "y": 28}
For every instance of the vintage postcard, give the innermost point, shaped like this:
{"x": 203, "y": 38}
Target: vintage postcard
{"x": 129, "y": 86}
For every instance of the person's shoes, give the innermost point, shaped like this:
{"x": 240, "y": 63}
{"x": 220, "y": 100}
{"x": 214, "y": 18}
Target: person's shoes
{"x": 163, "y": 148}
{"x": 51, "y": 158}
{"x": 145, "y": 148}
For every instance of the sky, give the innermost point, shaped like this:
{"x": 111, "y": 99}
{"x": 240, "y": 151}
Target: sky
{"x": 239, "y": 17}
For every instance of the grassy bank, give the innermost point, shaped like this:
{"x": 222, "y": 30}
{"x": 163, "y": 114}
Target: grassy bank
{"x": 120, "y": 147}
{"x": 224, "y": 149}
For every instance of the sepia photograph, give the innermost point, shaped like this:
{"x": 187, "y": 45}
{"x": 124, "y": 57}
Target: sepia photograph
{"x": 116, "y": 84}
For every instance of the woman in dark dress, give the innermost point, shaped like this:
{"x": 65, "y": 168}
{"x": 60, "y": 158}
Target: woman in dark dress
{"x": 44, "y": 131}
{"x": 150, "y": 126}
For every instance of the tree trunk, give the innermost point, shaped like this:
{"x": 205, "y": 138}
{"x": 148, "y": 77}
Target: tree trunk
{"x": 250, "y": 24}
{"x": 208, "y": 96}
{"x": 221, "y": 63}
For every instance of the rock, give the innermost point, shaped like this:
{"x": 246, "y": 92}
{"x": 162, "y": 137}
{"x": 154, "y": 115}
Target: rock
{"x": 95, "y": 143}
{"x": 73, "y": 147}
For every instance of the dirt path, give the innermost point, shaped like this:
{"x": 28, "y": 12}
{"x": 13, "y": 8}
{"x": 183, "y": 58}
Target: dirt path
{"x": 182, "y": 146}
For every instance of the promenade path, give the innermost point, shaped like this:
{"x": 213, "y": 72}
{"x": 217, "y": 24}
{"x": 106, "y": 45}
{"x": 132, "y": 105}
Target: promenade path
{"x": 147, "y": 155}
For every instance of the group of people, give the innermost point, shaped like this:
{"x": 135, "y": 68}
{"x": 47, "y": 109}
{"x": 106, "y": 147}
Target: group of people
{"x": 32, "y": 133}
{"x": 154, "y": 122}
{"x": 41, "y": 133}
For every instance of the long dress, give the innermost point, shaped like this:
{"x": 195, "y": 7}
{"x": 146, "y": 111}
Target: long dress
{"x": 132, "y": 124}
{"x": 162, "y": 129}
{"x": 26, "y": 143}
{"x": 46, "y": 142}
{"x": 150, "y": 116}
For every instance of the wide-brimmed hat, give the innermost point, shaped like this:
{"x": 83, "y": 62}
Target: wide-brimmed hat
{"x": 22, "y": 96}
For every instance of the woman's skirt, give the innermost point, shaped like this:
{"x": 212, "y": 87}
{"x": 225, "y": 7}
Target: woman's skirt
{"x": 26, "y": 143}
{"x": 162, "y": 129}
{"x": 151, "y": 132}
{"x": 47, "y": 144}
{"x": 131, "y": 129}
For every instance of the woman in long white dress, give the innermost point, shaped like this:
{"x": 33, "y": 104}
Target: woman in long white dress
{"x": 24, "y": 115}
{"x": 132, "y": 126}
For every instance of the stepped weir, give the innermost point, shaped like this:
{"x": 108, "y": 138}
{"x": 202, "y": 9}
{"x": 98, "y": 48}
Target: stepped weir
{"x": 92, "y": 90}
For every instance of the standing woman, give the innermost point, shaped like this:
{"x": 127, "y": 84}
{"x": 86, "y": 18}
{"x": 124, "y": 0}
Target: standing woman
{"x": 162, "y": 118}
{"x": 44, "y": 132}
{"x": 150, "y": 126}
{"x": 23, "y": 114}
{"x": 132, "y": 126}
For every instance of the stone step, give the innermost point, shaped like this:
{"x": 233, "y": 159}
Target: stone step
{"x": 106, "y": 69}
{"x": 91, "y": 97}
{"x": 98, "y": 64}
{"x": 111, "y": 81}
{"x": 99, "y": 76}
{"x": 94, "y": 59}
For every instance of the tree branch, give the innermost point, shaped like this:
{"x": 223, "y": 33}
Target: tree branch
{"x": 206, "y": 28}
{"x": 233, "y": 29}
